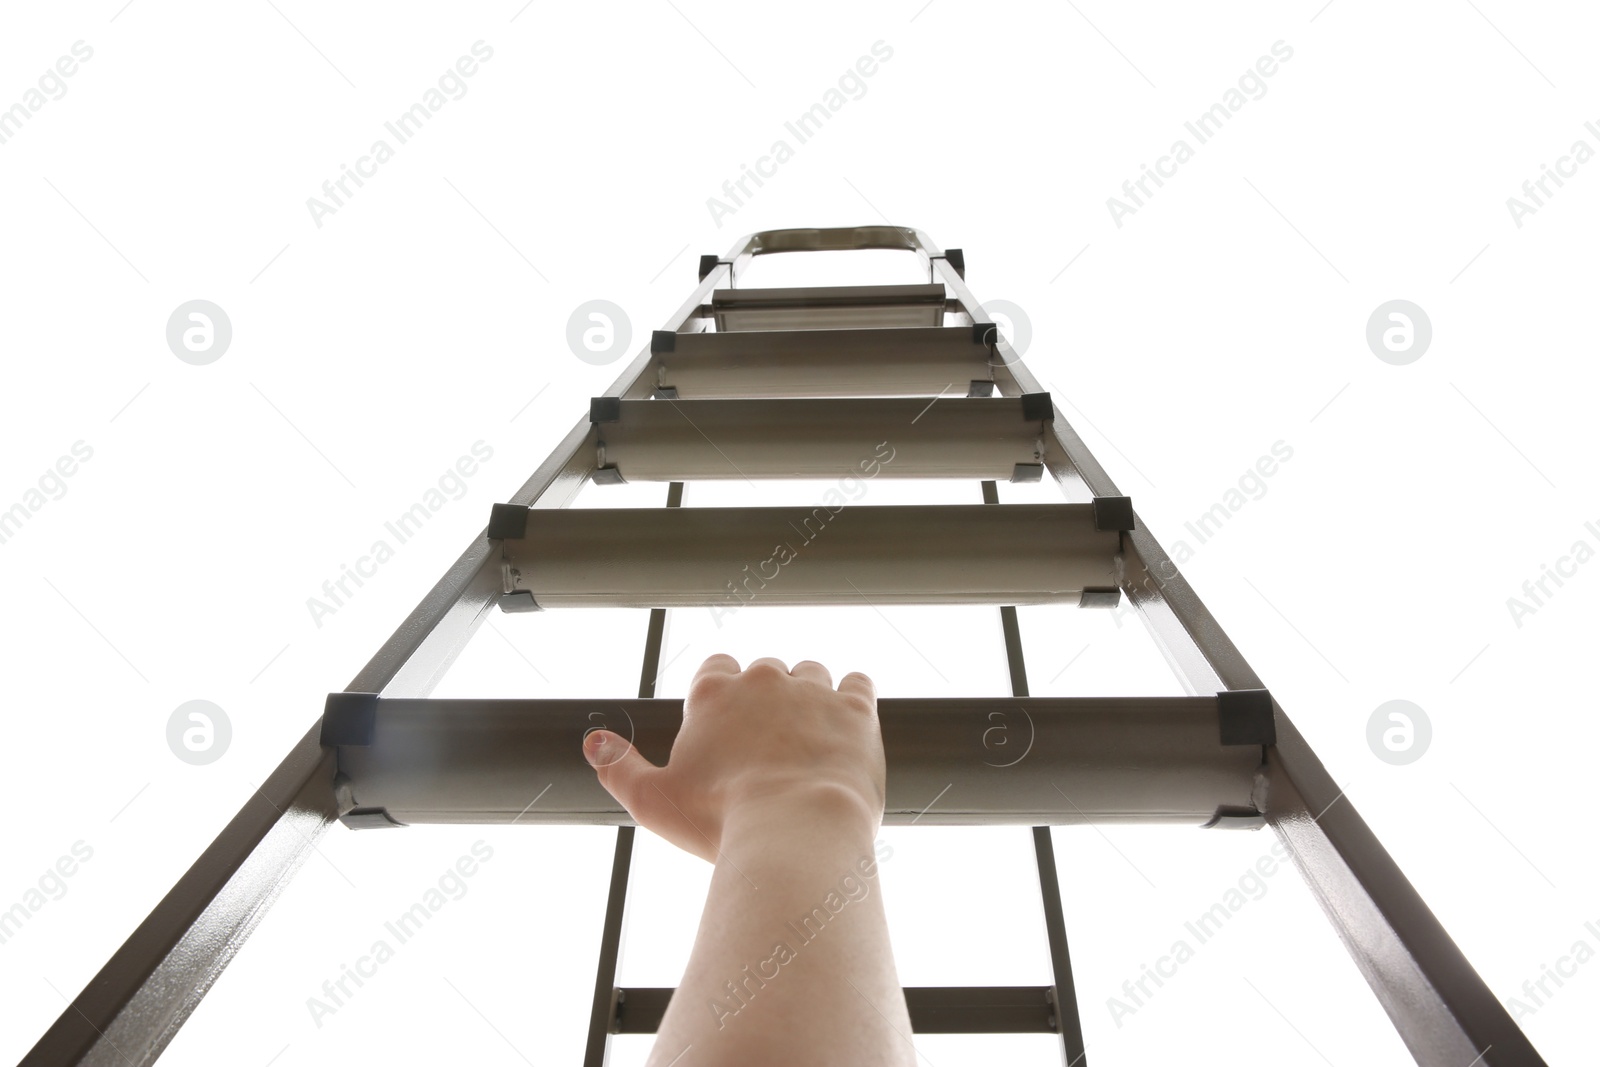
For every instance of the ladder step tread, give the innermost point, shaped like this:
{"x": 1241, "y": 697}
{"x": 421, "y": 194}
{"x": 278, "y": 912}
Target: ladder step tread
{"x": 987, "y": 760}
{"x": 895, "y": 437}
{"x": 905, "y": 361}
{"x": 829, "y": 307}
{"x": 834, "y": 552}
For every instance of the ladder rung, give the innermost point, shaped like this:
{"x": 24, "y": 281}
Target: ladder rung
{"x": 895, "y": 437}
{"x": 951, "y": 761}
{"x": 829, "y": 307}
{"x": 833, "y": 553}
{"x": 1020, "y": 1009}
{"x": 888, "y": 362}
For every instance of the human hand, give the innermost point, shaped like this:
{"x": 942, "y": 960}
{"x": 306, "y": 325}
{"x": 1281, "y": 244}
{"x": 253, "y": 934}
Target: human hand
{"x": 760, "y": 747}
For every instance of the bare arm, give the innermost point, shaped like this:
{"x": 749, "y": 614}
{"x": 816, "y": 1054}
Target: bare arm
{"x": 777, "y": 778}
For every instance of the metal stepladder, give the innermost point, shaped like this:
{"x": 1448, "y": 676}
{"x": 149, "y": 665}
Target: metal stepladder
{"x": 797, "y": 380}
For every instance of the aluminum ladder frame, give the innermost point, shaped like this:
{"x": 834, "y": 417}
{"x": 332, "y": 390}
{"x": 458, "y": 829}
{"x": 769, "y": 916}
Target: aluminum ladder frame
{"x": 1444, "y": 1012}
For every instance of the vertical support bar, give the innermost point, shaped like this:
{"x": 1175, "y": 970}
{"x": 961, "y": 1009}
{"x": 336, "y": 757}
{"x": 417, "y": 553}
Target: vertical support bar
{"x": 1013, "y": 638}
{"x": 1008, "y": 621}
{"x": 604, "y": 1007}
{"x": 1068, "y": 1024}
{"x": 1055, "y": 924}
{"x": 655, "y": 638}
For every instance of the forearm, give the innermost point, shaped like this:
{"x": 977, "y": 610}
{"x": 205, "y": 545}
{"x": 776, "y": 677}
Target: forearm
{"x": 792, "y": 963}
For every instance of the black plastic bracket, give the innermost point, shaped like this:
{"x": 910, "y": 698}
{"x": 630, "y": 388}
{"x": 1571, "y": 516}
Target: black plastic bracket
{"x": 508, "y": 522}
{"x": 666, "y": 392}
{"x": 608, "y": 476}
{"x": 605, "y": 409}
{"x": 349, "y": 719}
{"x": 1246, "y": 717}
{"x": 663, "y": 341}
{"x": 1234, "y": 817}
{"x": 1027, "y": 472}
{"x": 521, "y": 600}
{"x": 1038, "y": 407}
{"x": 707, "y": 265}
{"x": 369, "y": 819}
{"x": 1113, "y": 513}
{"x": 981, "y": 387}
{"x": 1107, "y": 597}
{"x": 985, "y": 333}
{"x": 958, "y": 260}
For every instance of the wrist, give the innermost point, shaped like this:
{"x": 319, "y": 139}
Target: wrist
{"x": 840, "y": 811}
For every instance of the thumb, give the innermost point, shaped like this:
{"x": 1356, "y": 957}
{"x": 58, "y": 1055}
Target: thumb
{"x": 624, "y": 772}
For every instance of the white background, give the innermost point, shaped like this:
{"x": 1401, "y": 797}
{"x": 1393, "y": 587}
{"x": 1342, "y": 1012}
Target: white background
{"x": 430, "y": 312}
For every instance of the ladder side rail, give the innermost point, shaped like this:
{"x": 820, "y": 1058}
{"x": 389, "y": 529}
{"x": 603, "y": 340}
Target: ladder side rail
{"x": 132, "y": 1008}
{"x": 415, "y": 657}
{"x": 1441, "y": 1007}
{"x": 128, "y": 1013}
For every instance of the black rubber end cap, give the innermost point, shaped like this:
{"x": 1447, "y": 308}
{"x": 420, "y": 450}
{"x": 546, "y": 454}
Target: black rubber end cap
{"x": 1027, "y": 472}
{"x": 1107, "y": 597}
{"x": 1113, "y": 513}
{"x": 605, "y": 408}
{"x": 369, "y": 819}
{"x": 521, "y": 600}
{"x": 1235, "y": 817}
{"x": 1246, "y": 717}
{"x": 663, "y": 341}
{"x": 508, "y": 522}
{"x": 349, "y": 719}
{"x": 1037, "y": 407}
